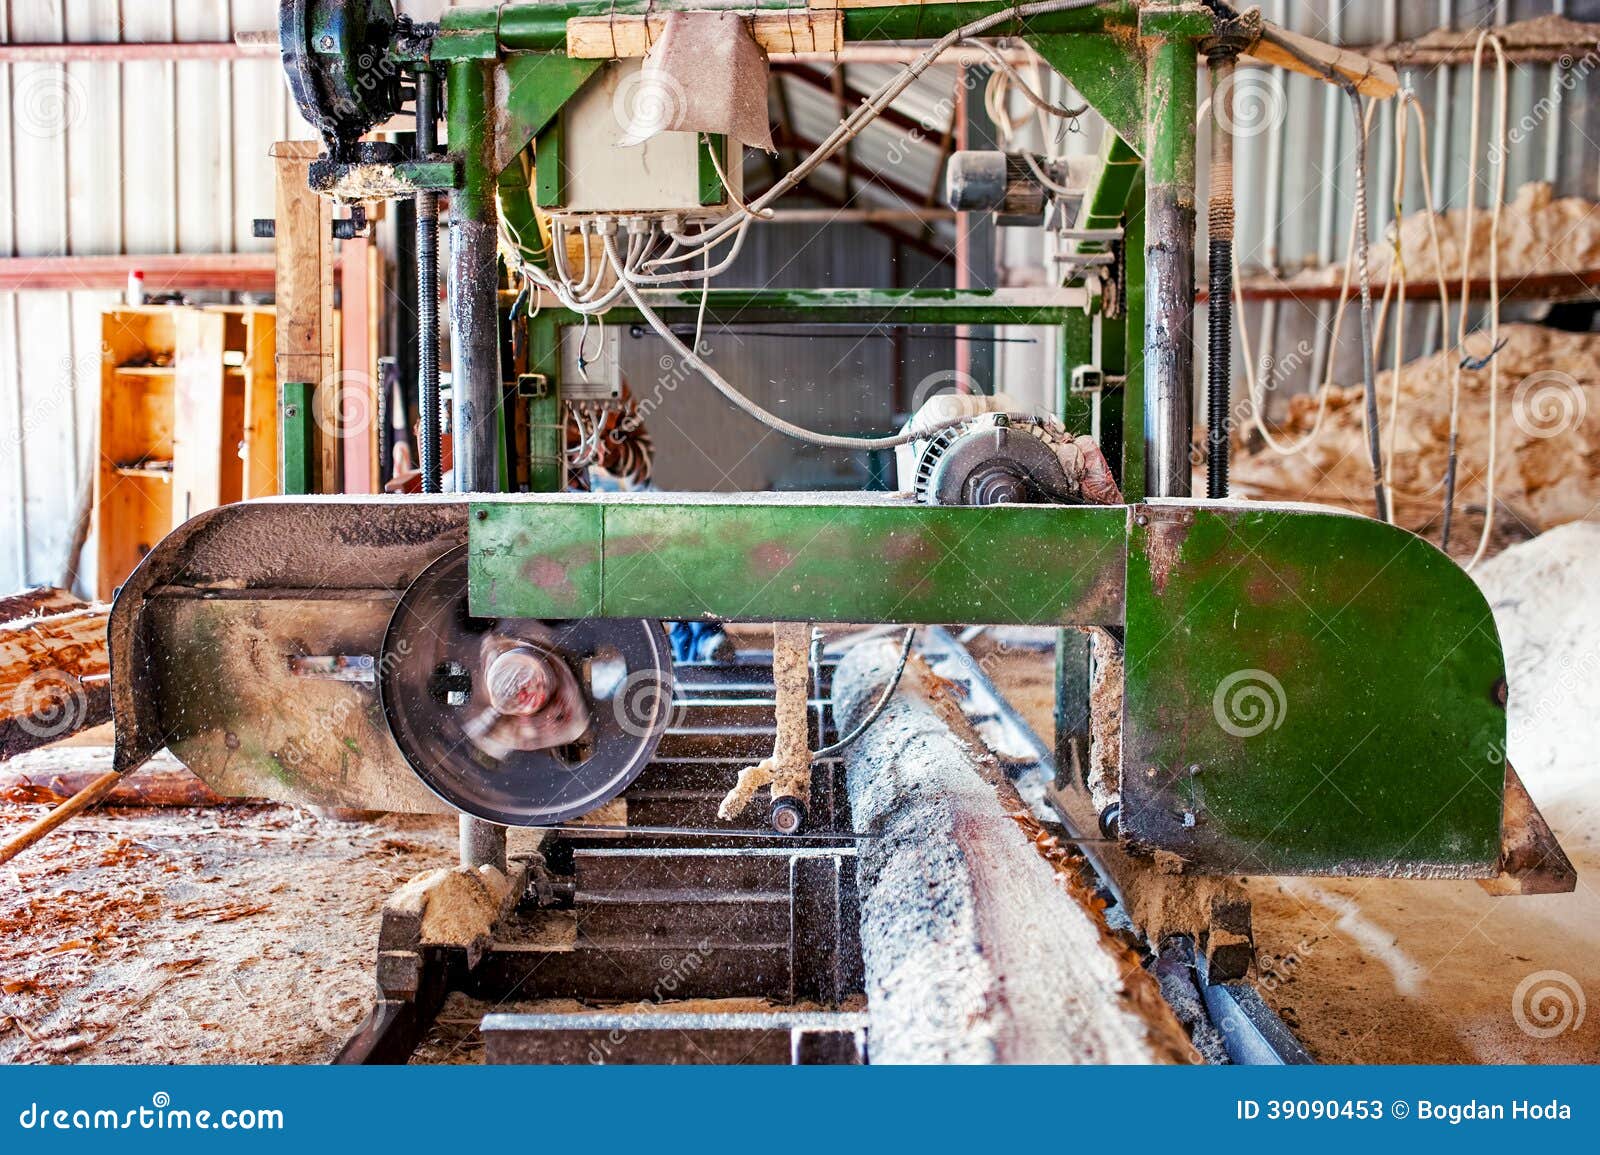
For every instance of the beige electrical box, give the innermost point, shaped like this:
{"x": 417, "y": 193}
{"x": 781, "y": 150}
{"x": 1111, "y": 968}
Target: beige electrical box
{"x": 669, "y": 173}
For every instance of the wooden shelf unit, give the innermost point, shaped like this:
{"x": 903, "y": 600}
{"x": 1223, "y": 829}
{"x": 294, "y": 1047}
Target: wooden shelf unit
{"x": 188, "y": 421}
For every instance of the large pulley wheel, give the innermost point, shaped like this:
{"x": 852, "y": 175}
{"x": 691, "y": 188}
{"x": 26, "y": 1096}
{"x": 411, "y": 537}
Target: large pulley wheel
{"x": 521, "y": 722}
{"x": 335, "y": 57}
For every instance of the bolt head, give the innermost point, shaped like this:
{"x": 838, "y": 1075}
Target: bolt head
{"x": 787, "y": 818}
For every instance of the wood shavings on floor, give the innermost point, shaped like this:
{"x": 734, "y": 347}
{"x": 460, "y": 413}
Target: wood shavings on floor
{"x": 242, "y": 934}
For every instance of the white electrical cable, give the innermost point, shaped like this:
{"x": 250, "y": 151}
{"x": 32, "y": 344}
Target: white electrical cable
{"x": 1257, "y": 394}
{"x": 913, "y": 432}
{"x": 1498, "y": 159}
{"x": 873, "y": 105}
{"x": 1396, "y": 279}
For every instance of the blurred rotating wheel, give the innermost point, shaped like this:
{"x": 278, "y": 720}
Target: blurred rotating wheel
{"x": 521, "y": 722}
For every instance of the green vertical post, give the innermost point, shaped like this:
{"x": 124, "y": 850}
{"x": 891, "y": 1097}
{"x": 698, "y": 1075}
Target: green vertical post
{"x": 1075, "y": 338}
{"x": 547, "y": 427}
{"x": 1072, "y": 645}
{"x": 296, "y": 439}
{"x": 711, "y": 189}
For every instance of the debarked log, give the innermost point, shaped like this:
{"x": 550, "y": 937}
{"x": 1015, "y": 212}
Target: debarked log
{"x": 981, "y": 943}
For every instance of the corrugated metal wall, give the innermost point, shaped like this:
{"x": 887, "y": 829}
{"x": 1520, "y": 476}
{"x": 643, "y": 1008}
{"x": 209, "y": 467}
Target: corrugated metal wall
{"x": 1294, "y": 181}
{"x": 104, "y": 158}
{"x": 162, "y": 157}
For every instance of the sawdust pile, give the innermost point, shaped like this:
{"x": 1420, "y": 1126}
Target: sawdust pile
{"x": 1540, "y": 233}
{"x": 459, "y": 907}
{"x": 1440, "y": 972}
{"x": 1548, "y": 440}
{"x": 241, "y": 934}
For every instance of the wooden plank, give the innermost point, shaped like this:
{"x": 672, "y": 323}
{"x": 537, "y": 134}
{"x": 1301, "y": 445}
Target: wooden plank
{"x": 37, "y": 602}
{"x": 357, "y": 397}
{"x": 1372, "y": 78}
{"x": 198, "y": 443}
{"x": 163, "y": 272}
{"x": 305, "y": 330}
{"x": 260, "y": 405}
{"x": 56, "y": 774}
{"x": 779, "y": 33}
{"x": 53, "y": 677}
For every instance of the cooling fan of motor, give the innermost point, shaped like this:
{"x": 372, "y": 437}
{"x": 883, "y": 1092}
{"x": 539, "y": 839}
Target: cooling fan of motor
{"x": 992, "y": 460}
{"x": 522, "y": 722}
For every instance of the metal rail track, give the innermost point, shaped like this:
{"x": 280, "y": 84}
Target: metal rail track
{"x": 650, "y": 919}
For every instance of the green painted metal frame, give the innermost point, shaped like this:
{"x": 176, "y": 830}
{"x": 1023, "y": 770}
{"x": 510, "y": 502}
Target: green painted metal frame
{"x": 1196, "y": 590}
{"x": 1308, "y": 694}
{"x": 296, "y": 439}
{"x": 1306, "y": 691}
{"x": 1105, "y": 51}
{"x": 795, "y": 560}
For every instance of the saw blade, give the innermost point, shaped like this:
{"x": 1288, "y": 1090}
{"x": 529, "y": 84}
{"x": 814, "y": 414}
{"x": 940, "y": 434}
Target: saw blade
{"x": 571, "y": 722}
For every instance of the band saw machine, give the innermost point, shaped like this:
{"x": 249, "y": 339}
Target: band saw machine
{"x": 1305, "y": 691}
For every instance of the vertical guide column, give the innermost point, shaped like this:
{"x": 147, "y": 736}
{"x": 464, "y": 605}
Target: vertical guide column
{"x": 1169, "y": 209}
{"x": 474, "y": 336}
{"x": 474, "y": 281}
{"x": 1219, "y": 301}
{"x": 428, "y": 288}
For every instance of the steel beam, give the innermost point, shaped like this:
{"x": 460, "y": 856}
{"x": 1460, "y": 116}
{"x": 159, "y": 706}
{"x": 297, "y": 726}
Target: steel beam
{"x": 1169, "y": 214}
{"x": 804, "y": 560}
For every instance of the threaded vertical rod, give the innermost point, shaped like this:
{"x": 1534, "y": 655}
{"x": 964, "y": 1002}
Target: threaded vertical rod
{"x": 428, "y": 288}
{"x": 1219, "y": 303}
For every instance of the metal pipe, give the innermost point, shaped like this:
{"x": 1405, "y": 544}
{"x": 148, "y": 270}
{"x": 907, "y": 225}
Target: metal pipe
{"x": 1169, "y": 213}
{"x": 858, "y": 216}
{"x": 474, "y": 307}
{"x": 475, "y": 338}
{"x": 481, "y": 843}
{"x": 542, "y": 27}
{"x": 1219, "y": 305}
{"x": 122, "y": 52}
{"x": 428, "y": 447}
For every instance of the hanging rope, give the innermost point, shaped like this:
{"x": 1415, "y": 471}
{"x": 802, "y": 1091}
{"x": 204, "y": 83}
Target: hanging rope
{"x": 1498, "y": 159}
{"x": 1395, "y": 282}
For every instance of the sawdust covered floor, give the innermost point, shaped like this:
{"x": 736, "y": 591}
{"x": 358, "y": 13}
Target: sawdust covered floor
{"x": 1383, "y": 971}
{"x": 240, "y": 934}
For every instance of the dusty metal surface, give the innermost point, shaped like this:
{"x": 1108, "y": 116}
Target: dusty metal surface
{"x": 1311, "y": 695}
{"x": 330, "y": 549}
{"x": 842, "y": 557}
{"x": 804, "y": 1038}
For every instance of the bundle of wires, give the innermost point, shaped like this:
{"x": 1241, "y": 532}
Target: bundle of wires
{"x": 640, "y": 253}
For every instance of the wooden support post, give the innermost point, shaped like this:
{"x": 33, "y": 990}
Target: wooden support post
{"x": 358, "y": 396}
{"x": 198, "y": 444}
{"x": 306, "y": 331}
